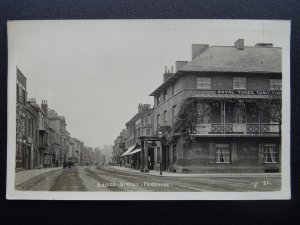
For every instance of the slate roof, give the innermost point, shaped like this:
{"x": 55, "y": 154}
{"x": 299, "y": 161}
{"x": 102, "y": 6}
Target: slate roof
{"x": 230, "y": 59}
{"x": 138, "y": 115}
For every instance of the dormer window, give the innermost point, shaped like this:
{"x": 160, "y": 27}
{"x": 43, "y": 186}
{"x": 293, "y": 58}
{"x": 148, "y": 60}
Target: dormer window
{"x": 240, "y": 83}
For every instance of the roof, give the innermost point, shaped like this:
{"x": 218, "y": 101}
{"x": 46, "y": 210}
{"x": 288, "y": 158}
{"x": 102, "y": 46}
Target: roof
{"x": 138, "y": 115}
{"x": 230, "y": 59}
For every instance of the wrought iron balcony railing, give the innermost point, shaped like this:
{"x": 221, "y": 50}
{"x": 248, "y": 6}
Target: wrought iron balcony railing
{"x": 236, "y": 128}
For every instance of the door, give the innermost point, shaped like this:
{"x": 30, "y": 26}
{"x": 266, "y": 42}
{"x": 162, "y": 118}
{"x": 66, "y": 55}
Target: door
{"x": 151, "y": 158}
{"x": 165, "y": 158}
{"x": 28, "y": 158}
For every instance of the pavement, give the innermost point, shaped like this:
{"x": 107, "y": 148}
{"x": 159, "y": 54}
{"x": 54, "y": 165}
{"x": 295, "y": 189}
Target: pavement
{"x": 23, "y": 176}
{"x": 118, "y": 179}
{"x": 195, "y": 175}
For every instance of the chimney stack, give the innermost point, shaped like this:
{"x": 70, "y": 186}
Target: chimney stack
{"x": 179, "y": 65}
{"x": 44, "y": 107}
{"x": 239, "y": 44}
{"x": 197, "y": 49}
{"x": 266, "y": 45}
{"x": 142, "y": 107}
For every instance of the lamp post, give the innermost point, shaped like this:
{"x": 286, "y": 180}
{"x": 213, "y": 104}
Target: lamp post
{"x": 160, "y": 136}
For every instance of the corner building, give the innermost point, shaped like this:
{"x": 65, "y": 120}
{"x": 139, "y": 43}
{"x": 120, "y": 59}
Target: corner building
{"x": 226, "y": 87}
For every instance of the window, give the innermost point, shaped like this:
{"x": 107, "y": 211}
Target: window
{"x": 275, "y": 84}
{"x": 158, "y": 121}
{"x": 149, "y": 119}
{"x": 222, "y": 153}
{"x": 158, "y": 100}
{"x": 239, "y": 114}
{"x": 239, "y": 83}
{"x": 174, "y": 153}
{"x": 29, "y": 126}
{"x": 173, "y": 114}
{"x": 165, "y": 117}
{"x": 203, "y": 113}
{"x": 270, "y": 153}
{"x": 165, "y": 96}
{"x": 147, "y": 132}
{"x": 204, "y": 82}
{"x": 24, "y": 97}
{"x": 139, "y": 132}
{"x": 173, "y": 89}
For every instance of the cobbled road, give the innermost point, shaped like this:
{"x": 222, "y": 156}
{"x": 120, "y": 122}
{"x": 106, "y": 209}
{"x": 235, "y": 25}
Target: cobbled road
{"x": 98, "y": 178}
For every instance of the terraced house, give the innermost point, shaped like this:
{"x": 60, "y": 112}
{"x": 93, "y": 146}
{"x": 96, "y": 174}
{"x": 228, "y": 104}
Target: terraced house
{"x": 221, "y": 112}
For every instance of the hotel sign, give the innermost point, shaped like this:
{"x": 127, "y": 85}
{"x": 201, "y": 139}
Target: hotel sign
{"x": 248, "y": 92}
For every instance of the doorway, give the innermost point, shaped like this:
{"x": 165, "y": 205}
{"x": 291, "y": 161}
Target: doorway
{"x": 151, "y": 158}
{"x": 28, "y": 166}
{"x": 165, "y": 158}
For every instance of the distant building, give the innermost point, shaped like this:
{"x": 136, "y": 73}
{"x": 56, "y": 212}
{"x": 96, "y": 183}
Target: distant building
{"x": 33, "y": 158}
{"x": 139, "y": 125}
{"x": 21, "y": 138}
{"x": 89, "y": 156}
{"x": 58, "y": 125}
{"x": 119, "y": 147}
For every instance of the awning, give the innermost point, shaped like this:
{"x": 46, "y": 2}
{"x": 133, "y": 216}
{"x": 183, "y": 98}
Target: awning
{"x": 128, "y": 150}
{"x": 135, "y": 151}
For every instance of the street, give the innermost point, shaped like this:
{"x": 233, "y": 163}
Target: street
{"x": 104, "y": 178}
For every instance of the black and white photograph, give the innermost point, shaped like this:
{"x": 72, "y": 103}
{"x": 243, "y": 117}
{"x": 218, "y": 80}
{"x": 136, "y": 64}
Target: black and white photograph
{"x": 148, "y": 109}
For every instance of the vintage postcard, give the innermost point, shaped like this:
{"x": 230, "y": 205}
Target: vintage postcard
{"x": 148, "y": 109}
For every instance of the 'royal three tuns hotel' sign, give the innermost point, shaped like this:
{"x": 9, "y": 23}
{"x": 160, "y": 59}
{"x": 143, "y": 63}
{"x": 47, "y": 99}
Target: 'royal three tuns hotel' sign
{"x": 248, "y": 92}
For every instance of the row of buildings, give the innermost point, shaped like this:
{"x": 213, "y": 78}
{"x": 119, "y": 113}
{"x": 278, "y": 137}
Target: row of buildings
{"x": 42, "y": 138}
{"x": 219, "y": 112}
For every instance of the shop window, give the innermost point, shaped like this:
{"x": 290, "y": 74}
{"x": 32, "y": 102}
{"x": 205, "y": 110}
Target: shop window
{"x": 275, "y": 84}
{"x": 270, "y": 153}
{"x": 174, "y": 153}
{"x": 203, "y": 82}
{"x": 222, "y": 153}
{"x": 239, "y": 83}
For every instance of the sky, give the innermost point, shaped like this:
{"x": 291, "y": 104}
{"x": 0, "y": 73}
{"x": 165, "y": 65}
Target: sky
{"x": 96, "y": 72}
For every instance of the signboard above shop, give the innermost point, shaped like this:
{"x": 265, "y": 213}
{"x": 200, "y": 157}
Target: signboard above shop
{"x": 248, "y": 92}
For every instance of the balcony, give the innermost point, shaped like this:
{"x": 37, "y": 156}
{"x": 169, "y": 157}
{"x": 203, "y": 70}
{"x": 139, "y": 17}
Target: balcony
{"x": 236, "y": 129}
